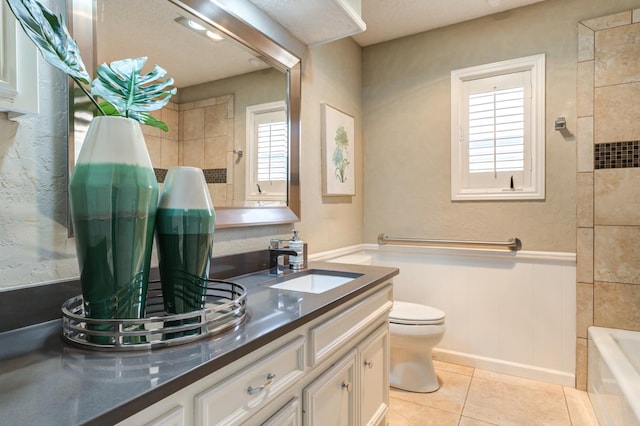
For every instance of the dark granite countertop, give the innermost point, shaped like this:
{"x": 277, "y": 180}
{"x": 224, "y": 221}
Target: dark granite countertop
{"x": 44, "y": 380}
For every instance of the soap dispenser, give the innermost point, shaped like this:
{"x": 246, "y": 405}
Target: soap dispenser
{"x": 296, "y": 263}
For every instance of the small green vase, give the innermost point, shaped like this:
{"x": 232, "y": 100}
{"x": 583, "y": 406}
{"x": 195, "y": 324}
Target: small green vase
{"x": 185, "y": 227}
{"x": 113, "y": 197}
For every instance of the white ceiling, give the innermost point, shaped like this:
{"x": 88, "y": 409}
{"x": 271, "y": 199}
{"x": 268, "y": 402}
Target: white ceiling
{"x": 129, "y": 29}
{"x": 314, "y": 21}
{"x": 391, "y": 19}
{"x": 318, "y": 21}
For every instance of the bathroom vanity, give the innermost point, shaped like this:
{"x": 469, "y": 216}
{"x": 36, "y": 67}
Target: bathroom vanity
{"x": 299, "y": 358}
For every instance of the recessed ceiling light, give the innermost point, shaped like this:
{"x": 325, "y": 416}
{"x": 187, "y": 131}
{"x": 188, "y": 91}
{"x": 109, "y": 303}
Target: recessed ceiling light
{"x": 199, "y": 29}
{"x": 195, "y": 25}
{"x": 214, "y": 36}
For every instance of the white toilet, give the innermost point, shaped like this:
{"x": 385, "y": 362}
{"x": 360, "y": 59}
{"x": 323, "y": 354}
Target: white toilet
{"x": 415, "y": 330}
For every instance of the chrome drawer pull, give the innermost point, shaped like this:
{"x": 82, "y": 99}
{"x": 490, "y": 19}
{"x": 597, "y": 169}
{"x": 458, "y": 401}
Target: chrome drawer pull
{"x": 346, "y": 386}
{"x": 252, "y": 391}
{"x": 368, "y": 364}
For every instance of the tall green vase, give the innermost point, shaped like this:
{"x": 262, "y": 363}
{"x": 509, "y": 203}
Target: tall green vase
{"x": 113, "y": 196}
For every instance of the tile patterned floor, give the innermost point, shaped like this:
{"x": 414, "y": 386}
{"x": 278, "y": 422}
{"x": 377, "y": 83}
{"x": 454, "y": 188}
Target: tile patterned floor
{"x": 473, "y": 397}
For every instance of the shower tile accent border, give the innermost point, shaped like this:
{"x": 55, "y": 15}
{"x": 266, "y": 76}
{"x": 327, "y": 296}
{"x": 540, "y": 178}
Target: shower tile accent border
{"x": 616, "y": 155}
{"x": 161, "y": 174}
{"x": 215, "y": 175}
{"x": 210, "y": 175}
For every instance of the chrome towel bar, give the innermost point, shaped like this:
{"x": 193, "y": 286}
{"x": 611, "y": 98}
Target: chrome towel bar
{"x": 512, "y": 244}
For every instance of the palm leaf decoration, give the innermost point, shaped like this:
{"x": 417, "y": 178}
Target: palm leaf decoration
{"x": 130, "y": 93}
{"x": 143, "y": 118}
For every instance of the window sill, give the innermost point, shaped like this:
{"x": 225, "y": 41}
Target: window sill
{"x": 498, "y": 195}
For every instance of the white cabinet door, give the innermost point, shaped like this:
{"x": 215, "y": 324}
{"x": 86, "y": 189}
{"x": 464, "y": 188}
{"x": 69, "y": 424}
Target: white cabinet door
{"x": 331, "y": 398}
{"x": 374, "y": 365}
{"x": 289, "y": 415}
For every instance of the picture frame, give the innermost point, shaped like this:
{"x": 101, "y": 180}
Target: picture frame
{"x": 338, "y": 152}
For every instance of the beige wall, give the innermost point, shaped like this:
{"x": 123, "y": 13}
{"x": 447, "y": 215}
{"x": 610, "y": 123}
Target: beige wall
{"x": 200, "y": 135}
{"x": 406, "y": 110}
{"x": 254, "y": 88}
{"x": 33, "y": 164}
{"x": 399, "y": 92}
{"x": 33, "y": 187}
{"x": 608, "y": 219}
{"x": 207, "y": 122}
{"x": 332, "y": 75}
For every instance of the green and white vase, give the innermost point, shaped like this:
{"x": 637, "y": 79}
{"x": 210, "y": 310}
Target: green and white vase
{"x": 113, "y": 196}
{"x": 185, "y": 227}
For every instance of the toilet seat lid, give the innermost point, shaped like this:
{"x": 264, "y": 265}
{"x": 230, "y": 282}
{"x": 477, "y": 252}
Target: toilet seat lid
{"x": 414, "y": 313}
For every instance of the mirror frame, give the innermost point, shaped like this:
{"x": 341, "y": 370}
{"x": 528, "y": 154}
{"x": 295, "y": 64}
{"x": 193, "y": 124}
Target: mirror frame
{"x": 82, "y": 24}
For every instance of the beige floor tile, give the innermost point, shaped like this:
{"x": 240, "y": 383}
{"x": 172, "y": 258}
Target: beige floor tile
{"x": 406, "y": 413}
{"x": 490, "y": 399}
{"x": 468, "y": 421}
{"x": 450, "y": 397}
{"x": 580, "y": 409}
{"x": 453, "y": 368}
{"x": 511, "y": 404}
{"x": 519, "y": 381}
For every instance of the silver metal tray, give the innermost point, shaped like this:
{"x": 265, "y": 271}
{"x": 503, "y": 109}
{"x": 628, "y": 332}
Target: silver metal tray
{"x": 225, "y": 309}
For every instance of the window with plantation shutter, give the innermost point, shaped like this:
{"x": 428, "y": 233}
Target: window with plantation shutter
{"x": 272, "y": 150}
{"x": 267, "y": 152}
{"x": 497, "y": 128}
{"x": 496, "y": 131}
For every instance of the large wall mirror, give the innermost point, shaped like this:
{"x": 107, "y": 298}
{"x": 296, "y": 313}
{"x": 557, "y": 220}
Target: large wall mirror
{"x": 236, "y": 114}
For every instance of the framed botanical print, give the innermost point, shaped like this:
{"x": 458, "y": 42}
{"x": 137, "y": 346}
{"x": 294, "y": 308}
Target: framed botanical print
{"x": 338, "y": 146}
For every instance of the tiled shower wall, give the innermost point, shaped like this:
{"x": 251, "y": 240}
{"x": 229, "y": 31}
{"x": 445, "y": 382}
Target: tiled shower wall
{"x": 200, "y": 135}
{"x": 608, "y": 201}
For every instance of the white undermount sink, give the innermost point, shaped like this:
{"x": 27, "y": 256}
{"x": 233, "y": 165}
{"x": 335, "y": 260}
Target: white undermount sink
{"x": 316, "y": 282}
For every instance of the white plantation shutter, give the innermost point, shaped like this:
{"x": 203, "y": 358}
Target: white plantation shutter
{"x": 496, "y": 131}
{"x": 497, "y": 143}
{"x": 272, "y": 151}
{"x": 267, "y": 152}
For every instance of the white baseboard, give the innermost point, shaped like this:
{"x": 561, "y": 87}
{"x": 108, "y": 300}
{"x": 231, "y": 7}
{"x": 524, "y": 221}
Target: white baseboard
{"x": 505, "y": 367}
{"x": 332, "y": 254}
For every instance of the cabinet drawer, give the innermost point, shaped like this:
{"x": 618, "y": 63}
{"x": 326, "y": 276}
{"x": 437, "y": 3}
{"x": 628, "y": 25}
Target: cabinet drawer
{"x": 333, "y": 333}
{"x": 236, "y": 398}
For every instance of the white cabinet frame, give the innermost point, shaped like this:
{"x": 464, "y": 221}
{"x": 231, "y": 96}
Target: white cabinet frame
{"x": 18, "y": 67}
